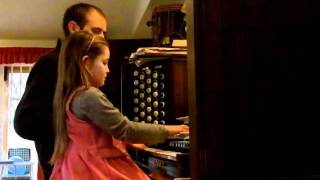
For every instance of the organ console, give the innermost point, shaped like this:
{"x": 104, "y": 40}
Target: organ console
{"x": 155, "y": 91}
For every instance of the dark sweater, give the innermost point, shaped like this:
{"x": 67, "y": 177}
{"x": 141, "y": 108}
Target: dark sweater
{"x": 33, "y": 116}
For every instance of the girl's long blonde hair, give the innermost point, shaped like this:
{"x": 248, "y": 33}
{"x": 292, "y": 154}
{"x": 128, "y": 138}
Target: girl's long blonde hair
{"x": 71, "y": 75}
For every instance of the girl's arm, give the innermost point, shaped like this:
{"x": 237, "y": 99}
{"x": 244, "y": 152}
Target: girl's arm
{"x": 93, "y": 105}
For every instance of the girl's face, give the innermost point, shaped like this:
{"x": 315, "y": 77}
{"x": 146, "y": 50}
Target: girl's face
{"x": 98, "y": 68}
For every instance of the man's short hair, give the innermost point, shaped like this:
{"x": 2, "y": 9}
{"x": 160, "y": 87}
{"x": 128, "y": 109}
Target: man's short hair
{"x": 78, "y": 13}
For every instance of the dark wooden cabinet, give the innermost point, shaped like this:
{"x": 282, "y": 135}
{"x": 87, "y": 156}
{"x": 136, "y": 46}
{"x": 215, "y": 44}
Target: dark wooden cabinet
{"x": 253, "y": 88}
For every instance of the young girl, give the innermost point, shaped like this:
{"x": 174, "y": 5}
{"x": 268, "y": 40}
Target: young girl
{"x": 90, "y": 131}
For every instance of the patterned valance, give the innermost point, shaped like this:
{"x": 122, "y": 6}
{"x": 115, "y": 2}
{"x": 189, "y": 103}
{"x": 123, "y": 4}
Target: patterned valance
{"x": 21, "y": 55}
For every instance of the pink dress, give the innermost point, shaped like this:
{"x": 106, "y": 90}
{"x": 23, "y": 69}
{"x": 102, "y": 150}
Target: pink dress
{"x": 93, "y": 154}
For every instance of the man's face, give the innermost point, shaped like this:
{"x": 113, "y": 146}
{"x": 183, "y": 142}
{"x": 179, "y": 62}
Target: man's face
{"x": 96, "y": 24}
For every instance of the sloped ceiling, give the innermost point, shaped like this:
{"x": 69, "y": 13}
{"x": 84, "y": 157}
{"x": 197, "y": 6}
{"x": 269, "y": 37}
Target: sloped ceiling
{"x": 42, "y": 19}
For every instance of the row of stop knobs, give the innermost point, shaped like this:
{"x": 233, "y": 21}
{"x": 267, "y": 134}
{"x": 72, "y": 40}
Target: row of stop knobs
{"x": 142, "y": 75}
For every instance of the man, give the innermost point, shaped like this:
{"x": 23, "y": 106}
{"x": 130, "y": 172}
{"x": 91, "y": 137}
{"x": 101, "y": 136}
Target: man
{"x": 33, "y": 118}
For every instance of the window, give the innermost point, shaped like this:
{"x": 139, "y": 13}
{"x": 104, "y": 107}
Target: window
{"x": 12, "y": 85}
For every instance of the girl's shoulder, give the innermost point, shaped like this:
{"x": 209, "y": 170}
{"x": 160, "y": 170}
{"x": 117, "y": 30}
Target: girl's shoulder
{"x": 92, "y": 90}
{"x": 90, "y": 93}
{"x": 91, "y": 97}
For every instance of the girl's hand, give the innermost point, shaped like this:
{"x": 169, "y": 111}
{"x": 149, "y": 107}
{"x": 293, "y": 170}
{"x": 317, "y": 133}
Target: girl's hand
{"x": 138, "y": 146}
{"x": 177, "y": 129}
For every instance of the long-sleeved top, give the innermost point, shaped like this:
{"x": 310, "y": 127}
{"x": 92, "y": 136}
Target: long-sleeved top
{"x": 92, "y": 105}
